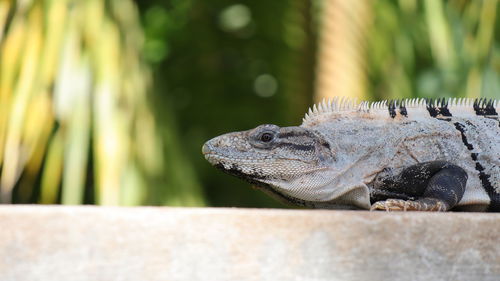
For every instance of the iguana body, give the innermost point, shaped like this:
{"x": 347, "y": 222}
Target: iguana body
{"x": 400, "y": 155}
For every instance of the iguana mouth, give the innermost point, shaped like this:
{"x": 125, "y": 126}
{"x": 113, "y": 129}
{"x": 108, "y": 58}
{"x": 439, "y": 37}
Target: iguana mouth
{"x": 216, "y": 157}
{"x": 255, "y": 180}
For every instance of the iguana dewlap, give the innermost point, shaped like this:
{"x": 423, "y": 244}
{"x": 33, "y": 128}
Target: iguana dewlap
{"x": 393, "y": 155}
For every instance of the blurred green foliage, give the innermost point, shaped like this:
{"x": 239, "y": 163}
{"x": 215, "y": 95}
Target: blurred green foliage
{"x": 75, "y": 121}
{"x": 434, "y": 49}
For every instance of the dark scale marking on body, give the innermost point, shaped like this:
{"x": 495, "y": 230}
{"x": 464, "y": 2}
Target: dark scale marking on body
{"x": 326, "y": 145}
{"x": 292, "y": 134}
{"x": 481, "y": 108}
{"x": 484, "y": 107}
{"x": 483, "y": 177}
{"x": 473, "y": 156}
{"x": 302, "y": 147}
{"x": 433, "y": 112}
{"x": 438, "y": 111}
{"x": 443, "y": 110}
{"x": 402, "y": 109}
{"x": 461, "y": 128}
{"x": 393, "y": 104}
{"x": 490, "y": 109}
{"x": 392, "y": 108}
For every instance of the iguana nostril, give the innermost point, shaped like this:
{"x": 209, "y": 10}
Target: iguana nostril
{"x": 205, "y": 149}
{"x": 213, "y": 144}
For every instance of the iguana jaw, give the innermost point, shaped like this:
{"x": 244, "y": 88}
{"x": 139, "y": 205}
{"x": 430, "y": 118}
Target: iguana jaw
{"x": 292, "y": 161}
{"x": 313, "y": 189}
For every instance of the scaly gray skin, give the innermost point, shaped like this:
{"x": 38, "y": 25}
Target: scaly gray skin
{"x": 408, "y": 155}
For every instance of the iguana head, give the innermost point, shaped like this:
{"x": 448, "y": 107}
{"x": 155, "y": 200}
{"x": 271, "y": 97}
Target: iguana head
{"x": 292, "y": 163}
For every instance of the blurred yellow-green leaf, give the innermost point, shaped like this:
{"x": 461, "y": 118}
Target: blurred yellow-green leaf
{"x": 75, "y": 122}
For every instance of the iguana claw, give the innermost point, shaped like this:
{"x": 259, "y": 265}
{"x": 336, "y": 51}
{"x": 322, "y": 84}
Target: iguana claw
{"x": 391, "y": 205}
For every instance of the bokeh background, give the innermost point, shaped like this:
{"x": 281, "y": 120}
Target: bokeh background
{"x": 109, "y": 101}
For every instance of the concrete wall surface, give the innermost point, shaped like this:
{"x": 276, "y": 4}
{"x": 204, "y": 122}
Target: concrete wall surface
{"x": 154, "y": 243}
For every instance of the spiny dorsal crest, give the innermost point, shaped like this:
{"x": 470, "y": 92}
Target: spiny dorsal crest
{"x": 414, "y": 108}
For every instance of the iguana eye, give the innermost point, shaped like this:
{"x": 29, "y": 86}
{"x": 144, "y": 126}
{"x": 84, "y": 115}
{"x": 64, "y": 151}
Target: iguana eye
{"x": 266, "y": 137}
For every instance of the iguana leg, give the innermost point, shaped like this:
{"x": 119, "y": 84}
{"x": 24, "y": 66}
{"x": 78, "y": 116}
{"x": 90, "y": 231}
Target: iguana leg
{"x": 435, "y": 186}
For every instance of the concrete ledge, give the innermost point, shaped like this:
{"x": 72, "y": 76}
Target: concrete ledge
{"x": 111, "y": 243}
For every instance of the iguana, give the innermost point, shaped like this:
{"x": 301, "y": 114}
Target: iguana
{"x": 403, "y": 155}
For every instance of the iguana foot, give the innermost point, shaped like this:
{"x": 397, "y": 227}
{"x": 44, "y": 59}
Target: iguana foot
{"x": 427, "y": 204}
